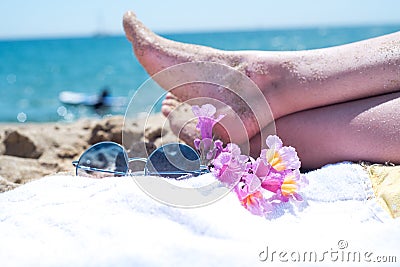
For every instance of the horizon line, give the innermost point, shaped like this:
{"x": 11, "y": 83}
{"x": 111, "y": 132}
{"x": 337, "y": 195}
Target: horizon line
{"x": 106, "y": 34}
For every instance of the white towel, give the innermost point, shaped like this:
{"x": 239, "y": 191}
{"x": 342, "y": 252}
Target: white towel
{"x": 74, "y": 221}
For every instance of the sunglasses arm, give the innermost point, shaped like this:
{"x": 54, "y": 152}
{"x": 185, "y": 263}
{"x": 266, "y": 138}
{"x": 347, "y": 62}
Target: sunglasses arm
{"x": 137, "y": 159}
{"x": 75, "y": 163}
{"x": 186, "y": 174}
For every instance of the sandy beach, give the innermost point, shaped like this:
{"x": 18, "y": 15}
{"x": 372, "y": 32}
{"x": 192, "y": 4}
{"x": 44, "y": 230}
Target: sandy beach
{"x": 29, "y": 151}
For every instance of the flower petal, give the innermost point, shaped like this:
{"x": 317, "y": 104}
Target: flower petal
{"x": 256, "y": 204}
{"x": 272, "y": 184}
{"x": 274, "y": 142}
{"x": 196, "y": 110}
{"x": 261, "y": 169}
{"x": 206, "y": 110}
{"x": 197, "y": 143}
{"x": 253, "y": 182}
{"x": 289, "y": 158}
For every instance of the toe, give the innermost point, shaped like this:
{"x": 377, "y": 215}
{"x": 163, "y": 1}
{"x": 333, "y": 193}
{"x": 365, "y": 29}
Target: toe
{"x": 170, "y": 95}
{"x": 166, "y": 109}
{"x": 130, "y": 24}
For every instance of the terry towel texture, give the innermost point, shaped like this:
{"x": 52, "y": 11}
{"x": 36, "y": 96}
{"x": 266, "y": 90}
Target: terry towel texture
{"x": 74, "y": 221}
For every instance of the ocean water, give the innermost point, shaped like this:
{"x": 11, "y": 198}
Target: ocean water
{"x": 34, "y": 72}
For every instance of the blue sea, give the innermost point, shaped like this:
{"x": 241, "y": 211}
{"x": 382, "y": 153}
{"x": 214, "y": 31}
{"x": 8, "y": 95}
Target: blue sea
{"x": 34, "y": 72}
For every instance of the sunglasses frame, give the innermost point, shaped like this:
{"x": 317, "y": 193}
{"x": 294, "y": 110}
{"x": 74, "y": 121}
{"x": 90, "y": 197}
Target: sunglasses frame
{"x": 202, "y": 170}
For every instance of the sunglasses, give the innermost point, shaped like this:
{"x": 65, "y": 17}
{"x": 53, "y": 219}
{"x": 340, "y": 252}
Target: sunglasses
{"x": 105, "y": 159}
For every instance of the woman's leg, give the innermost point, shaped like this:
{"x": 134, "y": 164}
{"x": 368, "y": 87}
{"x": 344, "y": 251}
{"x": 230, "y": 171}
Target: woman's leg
{"x": 290, "y": 81}
{"x": 366, "y": 129}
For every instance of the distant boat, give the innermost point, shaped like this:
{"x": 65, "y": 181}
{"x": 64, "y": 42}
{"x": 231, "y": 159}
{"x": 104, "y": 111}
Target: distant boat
{"x": 73, "y": 98}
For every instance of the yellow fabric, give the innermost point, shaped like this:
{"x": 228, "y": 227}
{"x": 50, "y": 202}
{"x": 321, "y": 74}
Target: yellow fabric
{"x": 386, "y": 186}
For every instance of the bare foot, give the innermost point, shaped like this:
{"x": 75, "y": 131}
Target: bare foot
{"x": 291, "y": 81}
{"x": 246, "y": 79}
{"x": 181, "y": 118}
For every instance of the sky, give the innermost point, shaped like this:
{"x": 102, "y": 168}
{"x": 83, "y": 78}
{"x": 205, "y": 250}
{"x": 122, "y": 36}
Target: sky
{"x": 56, "y": 18}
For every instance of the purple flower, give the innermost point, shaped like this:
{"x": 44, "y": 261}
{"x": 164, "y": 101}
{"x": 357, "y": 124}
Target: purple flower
{"x": 250, "y": 196}
{"x": 278, "y": 156}
{"x": 261, "y": 169}
{"x": 218, "y": 145}
{"x": 205, "y": 114}
{"x": 259, "y": 184}
{"x": 197, "y": 142}
{"x": 273, "y": 182}
{"x": 230, "y": 165}
{"x": 270, "y": 178}
{"x": 291, "y": 185}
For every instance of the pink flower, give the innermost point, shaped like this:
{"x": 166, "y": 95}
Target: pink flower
{"x": 218, "y": 145}
{"x": 278, "y": 156}
{"x": 291, "y": 185}
{"x": 229, "y": 165}
{"x": 256, "y": 204}
{"x": 259, "y": 184}
{"x": 250, "y": 196}
{"x": 273, "y": 181}
{"x": 206, "y": 146}
{"x": 270, "y": 178}
{"x": 205, "y": 114}
{"x": 261, "y": 169}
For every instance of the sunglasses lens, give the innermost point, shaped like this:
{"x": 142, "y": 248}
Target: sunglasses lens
{"x": 173, "y": 160}
{"x": 103, "y": 160}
